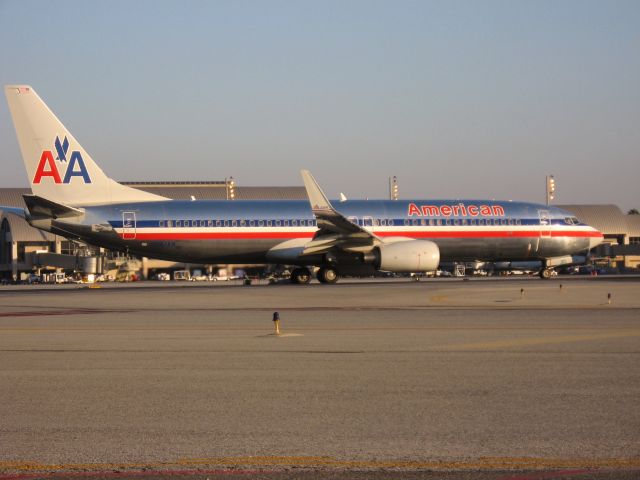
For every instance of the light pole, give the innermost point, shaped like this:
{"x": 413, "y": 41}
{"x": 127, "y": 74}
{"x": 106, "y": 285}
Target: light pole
{"x": 551, "y": 189}
{"x": 230, "y": 186}
{"x": 393, "y": 188}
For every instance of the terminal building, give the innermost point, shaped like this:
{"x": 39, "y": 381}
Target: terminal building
{"x": 25, "y": 250}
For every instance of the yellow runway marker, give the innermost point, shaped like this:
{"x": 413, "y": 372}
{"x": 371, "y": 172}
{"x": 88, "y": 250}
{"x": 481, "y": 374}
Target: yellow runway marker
{"x": 438, "y": 298}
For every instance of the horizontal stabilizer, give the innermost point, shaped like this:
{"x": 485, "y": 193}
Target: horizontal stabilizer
{"x": 41, "y": 207}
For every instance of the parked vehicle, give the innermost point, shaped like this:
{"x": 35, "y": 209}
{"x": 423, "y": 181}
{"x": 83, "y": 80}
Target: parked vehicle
{"x": 182, "y": 275}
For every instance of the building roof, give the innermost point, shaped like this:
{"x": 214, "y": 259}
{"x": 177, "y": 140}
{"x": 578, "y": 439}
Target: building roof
{"x": 633, "y": 225}
{"x": 22, "y": 231}
{"x": 218, "y": 192}
{"x": 609, "y": 219}
{"x": 12, "y": 197}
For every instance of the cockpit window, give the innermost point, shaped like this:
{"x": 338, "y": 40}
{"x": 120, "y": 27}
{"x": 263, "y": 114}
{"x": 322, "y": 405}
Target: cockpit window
{"x": 571, "y": 221}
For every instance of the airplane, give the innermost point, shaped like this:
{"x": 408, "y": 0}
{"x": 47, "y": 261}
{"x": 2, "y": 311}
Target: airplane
{"x": 73, "y": 197}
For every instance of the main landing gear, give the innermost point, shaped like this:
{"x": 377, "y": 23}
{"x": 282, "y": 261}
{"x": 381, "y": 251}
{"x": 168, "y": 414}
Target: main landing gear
{"x": 327, "y": 275}
{"x": 546, "y": 273}
{"x": 301, "y": 276}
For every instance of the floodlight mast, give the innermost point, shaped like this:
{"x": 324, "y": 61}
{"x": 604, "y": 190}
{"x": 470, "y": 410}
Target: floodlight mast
{"x": 393, "y": 188}
{"x": 551, "y": 189}
{"x": 230, "y": 186}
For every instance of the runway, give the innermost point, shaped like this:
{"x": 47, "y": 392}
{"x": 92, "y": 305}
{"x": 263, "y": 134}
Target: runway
{"x": 426, "y": 378}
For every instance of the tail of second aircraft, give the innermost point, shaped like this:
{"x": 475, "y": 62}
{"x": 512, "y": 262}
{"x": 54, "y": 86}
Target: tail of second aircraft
{"x": 59, "y": 169}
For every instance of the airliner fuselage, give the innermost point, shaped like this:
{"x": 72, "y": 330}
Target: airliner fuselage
{"x": 252, "y": 231}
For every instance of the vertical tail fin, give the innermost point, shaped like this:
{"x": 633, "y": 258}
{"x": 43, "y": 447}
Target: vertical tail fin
{"x": 59, "y": 169}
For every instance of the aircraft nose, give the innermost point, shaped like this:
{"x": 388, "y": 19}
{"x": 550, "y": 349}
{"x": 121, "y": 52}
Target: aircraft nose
{"x": 596, "y": 239}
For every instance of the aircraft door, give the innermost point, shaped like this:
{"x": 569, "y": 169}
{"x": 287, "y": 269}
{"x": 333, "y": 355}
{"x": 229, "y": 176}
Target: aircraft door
{"x": 545, "y": 223}
{"x": 128, "y": 225}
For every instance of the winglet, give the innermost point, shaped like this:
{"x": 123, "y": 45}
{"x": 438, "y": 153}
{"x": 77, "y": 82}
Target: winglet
{"x": 317, "y": 198}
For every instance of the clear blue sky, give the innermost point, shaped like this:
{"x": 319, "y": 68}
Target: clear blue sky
{"x": 458, "y": 99}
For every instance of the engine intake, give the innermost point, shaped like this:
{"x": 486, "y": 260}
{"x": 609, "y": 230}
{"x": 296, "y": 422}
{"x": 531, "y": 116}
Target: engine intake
{"x": 408, "y": 256}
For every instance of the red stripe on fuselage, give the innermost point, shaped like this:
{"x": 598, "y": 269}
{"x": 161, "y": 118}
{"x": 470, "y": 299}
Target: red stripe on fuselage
{"x": 217, "y": 235}
{"x": 489, "y": 234}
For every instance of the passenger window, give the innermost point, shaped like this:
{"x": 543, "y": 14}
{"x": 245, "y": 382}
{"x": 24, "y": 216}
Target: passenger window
{"x": 218, "y": 223}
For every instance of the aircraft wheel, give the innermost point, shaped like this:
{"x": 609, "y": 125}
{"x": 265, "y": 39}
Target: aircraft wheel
{"x": 301, "y": 276}
{"x": 327, "y": 275}
{"x": 546, "y": 273}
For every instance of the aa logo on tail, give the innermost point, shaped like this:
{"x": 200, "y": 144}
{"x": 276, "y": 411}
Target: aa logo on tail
{"x": 75, "y": 166}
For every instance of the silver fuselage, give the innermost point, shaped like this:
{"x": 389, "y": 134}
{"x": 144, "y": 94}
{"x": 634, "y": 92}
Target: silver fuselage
{"x": 275, "y": 231}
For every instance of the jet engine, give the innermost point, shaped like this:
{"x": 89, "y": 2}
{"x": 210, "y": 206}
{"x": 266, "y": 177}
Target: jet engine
{"x": 408, "y": 256}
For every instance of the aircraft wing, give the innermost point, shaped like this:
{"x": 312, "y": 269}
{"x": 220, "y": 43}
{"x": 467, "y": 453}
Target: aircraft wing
{"x": 335, "y": 230}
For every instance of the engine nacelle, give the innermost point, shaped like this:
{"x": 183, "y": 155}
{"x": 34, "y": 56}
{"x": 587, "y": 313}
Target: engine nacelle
{"x": 408, "y": 256}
